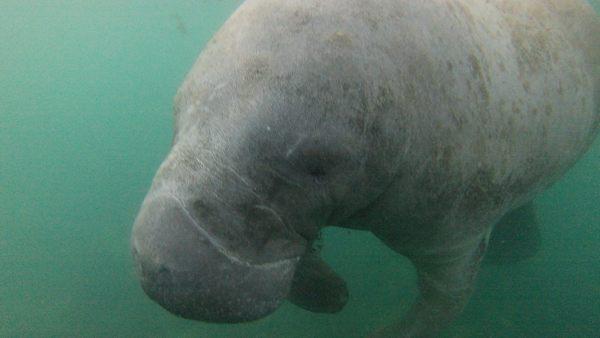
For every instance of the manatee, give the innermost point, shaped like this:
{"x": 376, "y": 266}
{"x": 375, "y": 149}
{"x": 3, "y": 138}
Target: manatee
{"x": 515, "y": 238}
{"x": 423, "y": 122}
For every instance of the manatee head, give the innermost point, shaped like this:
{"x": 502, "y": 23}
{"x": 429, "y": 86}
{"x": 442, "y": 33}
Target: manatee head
{"x": 227, "y": 219}
{"x": 272, "y": 142}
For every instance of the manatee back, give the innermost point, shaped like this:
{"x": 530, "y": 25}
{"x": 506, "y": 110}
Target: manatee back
{"x": 467, "y": 105}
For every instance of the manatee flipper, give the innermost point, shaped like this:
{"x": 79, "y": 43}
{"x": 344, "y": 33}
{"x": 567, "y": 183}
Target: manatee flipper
{"x": 446, "y": 280}
{"x": 316, "y": 287}
{"x": 516, "y": 237}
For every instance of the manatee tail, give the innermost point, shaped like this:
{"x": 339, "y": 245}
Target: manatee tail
{"x": 515, "y": 238}
{"x": 316, "y": 287}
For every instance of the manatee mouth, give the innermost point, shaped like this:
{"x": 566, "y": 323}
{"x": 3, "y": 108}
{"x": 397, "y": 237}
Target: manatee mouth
{"x": 193, "y": 275}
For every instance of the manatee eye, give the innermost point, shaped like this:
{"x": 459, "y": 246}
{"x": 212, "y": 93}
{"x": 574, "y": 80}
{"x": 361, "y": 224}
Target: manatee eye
{"x": 319, "y": 159}
{"x": 315, "y": 168}
{"x": 317, "y": 163}
{"x": 317, "y": 171}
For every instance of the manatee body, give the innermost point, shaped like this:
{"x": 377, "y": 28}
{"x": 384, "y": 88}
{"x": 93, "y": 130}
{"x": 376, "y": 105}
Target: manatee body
{"x": 423, "y": 122}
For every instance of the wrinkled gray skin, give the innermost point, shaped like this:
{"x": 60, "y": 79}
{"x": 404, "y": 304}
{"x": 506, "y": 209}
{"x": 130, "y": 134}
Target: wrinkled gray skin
{"x": 420, "y": 121}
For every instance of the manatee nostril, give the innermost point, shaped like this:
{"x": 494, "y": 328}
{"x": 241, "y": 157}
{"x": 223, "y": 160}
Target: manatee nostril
{"x": 157, "y": 279}
{"x": 163, "y": 274}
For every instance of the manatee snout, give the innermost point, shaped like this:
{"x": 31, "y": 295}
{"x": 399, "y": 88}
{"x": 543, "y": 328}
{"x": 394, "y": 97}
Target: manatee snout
{"x": 193, "y": 275}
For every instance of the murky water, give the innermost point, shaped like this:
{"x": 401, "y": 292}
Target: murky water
{"x": 85, "y": 119}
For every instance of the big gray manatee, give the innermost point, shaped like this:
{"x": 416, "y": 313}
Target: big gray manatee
{"x": 423, "y": 122}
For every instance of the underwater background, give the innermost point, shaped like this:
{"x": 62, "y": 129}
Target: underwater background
{"x": 86, "y": 92}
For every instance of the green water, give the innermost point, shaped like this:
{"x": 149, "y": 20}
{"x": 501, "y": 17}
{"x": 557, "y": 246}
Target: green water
{"x": 85, "y": 119}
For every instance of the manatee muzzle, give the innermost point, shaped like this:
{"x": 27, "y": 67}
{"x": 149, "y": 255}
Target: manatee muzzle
{"x": 191, "y": 274}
